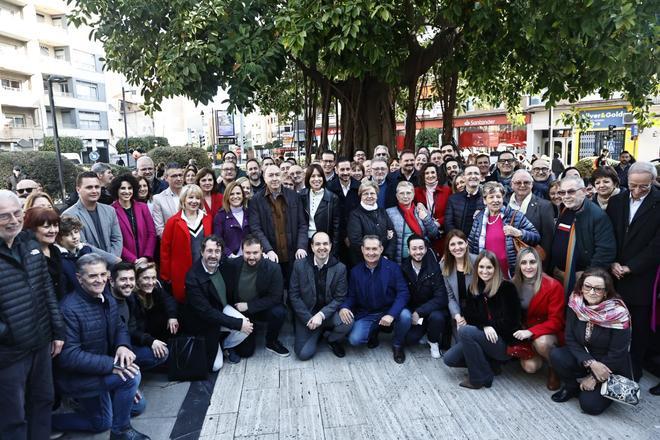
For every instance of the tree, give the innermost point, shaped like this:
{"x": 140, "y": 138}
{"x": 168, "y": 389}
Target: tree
{"x": 363, "y": 53}
{"x": 143, "y": 143}
{"x": 67, "y": 144}
{"x": 427, "y": 137}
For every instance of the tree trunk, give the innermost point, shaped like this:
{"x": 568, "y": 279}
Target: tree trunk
{"x": 326, "y": 98}
{"x": 311, "y": 95}
{"x": 449, "y": 89}
{"x": 411, "y": 115}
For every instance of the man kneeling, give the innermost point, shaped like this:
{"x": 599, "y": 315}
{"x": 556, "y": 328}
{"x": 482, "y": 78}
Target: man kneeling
{"x": 318, "y": 287}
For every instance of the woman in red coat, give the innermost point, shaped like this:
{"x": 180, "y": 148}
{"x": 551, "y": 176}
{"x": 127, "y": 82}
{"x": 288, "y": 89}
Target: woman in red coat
{"x": 433, "y": 194}
{"x": 212, "y": 198}
{"x": 182, "y": 240}
{"x": 542, "y": 302}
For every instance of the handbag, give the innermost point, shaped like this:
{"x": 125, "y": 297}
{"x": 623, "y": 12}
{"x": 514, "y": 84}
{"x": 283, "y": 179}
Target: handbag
{"x": 519, "y": 244}
{"x": 187, "y": 360}
{"x": 521, "y": 351}
{"x": 620, "y": 388}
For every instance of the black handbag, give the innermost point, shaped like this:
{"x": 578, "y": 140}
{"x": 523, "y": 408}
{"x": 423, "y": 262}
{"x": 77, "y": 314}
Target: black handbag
{"x": 187, "y": 360}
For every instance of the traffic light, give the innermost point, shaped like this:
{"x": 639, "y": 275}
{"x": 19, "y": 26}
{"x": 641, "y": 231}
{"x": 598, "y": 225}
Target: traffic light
{"x": 202, "y": 140}
{"x": 610, "y": 131}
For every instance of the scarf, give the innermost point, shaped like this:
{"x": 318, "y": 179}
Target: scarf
{"x": 611, "y": 313}
{"x": 411, "y": 220}
{"x": 195, "y": 226}
{"x": 369, "y": 208}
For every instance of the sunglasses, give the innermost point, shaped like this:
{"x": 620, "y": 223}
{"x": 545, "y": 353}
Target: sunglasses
{"x": 25, "y": 190}
{"x": 570, "y": 192}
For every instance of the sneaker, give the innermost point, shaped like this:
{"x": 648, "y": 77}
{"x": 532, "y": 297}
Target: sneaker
{"x": 55, "y": 435}
{"x": 232, "y": 356}
{"x": 277, "y": 348}
{"x": 129, "y": 434}
{"x": 435, "y": 350}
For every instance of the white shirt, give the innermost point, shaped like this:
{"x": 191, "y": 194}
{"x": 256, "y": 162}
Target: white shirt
{"x": 634, "y": 206}
{"x": 314, "y": 202}
{"x": 346, "y": 188}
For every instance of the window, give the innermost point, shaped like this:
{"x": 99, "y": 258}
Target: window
{"x": 11, "y": 47}
{"x": 16, "y": 120}
{"x": 45, "y": 51}
{"x": 85, "y": 60}
{"x": 68, "y": 120}
{"x": 535, "y": 100}
{"x": 41, "y": 18}
{"x": 59, "y": 89}
{"x": 9, "y": 10}
{"x": 88, "y": 91}
{"x": 90, "y": 120}
{"x": 58, "y": 21}
{"x": 60, "y": 53}
{"x": 12, "y": 85}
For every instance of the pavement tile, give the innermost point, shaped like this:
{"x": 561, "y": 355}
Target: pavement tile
{"x": 258, "y": 413}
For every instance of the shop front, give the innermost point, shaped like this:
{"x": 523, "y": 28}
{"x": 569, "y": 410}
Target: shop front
{"x": 608, "y": 131}
{"x": 490, "y": 132}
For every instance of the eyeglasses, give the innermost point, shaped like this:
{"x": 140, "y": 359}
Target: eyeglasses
{"x": 588, "y": 288}
{"x": 540, "y": 170}
{"x": 645, "y": 187}
{"x": 570, "y": 192}
{"x": 522, "y": 183}
{"x": 25, "y": 190}
{"x": 506, "y": 161}
{"x": 7, "y": 216}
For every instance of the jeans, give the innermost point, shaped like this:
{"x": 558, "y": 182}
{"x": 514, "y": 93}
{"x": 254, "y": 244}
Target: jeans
{"x": 476, "y": 352}
{"x": 433, "y": 326}
{"x": 568, "y": 369}
{"x": 307, "y": 340}
{"x": 145, "y": 358}
{"x": 111, "y": 409}
{"x": 274, "y": 318}
{"x": 364, "y": 327}
{"x": 26, "y": 396}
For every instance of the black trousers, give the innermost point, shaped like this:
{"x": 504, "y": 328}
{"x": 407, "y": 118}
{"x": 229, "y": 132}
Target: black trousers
{"x": 641, "y": 336}
{"x": 274, "y": 319}
{"x": 569, "y": 369}
{"x": 433, "y": 326}
{"x": 26, "y": 390}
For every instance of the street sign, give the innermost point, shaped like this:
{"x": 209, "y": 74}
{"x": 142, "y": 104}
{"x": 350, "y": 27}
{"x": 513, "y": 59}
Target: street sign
{"x": 226, "y": 140}
{"x": 94, "y": 155}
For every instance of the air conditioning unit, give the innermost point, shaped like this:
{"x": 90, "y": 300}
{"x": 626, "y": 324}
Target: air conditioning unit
{"x": 629, "y": 119}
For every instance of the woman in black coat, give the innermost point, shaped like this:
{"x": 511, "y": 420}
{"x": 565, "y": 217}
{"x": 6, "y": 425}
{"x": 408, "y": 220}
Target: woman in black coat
{"x": 492, "y": 315}
{"x": 369, "y": 219}
{"x": 598, "y": 335}
{"x": 321, "y": 206}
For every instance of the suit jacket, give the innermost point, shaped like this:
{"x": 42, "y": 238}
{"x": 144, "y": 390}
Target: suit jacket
{"x": 541, "y": 215}
{"x": 347, "y": 202}
{"x": 637, "y": 245}
{"x": 146, "y": 233}
{"x": 165, "y": 205}
{"x": 302, "y": 288}
{"x": 326, "y": 217}
{"x": 109, "y": 225}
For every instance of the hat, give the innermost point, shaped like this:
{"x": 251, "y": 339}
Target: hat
{"x": 17, "y": 168}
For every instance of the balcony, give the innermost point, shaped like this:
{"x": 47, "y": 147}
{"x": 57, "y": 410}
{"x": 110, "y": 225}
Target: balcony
{"x": 24, "y": 98}
{"x": 52, "y": 35}
{"x": 53, "y": 66}
{"x": 52, "y": 7}
{"x": 15, "y": 27}
{"x": 14, "y": 134}
{"x": 16, "y": 61}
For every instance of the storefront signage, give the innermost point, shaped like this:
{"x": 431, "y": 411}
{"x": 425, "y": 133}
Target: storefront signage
{"x": 605, "y": 118}
{"x": 485, "y": 121}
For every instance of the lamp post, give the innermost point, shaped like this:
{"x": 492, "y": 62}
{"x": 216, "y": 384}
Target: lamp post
{"x": 56, "y": 79}
{"x": 123, "y": 110}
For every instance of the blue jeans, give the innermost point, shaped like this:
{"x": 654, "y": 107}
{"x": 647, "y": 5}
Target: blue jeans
{"x": 364, "y": 327}
{"x": 109, "y": 410}
{"x": 144, "y": 357}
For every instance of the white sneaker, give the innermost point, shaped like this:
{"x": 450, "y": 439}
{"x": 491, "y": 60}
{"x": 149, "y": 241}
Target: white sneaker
{"x": 435, "y": 350}
{"x": 219, "y": 359}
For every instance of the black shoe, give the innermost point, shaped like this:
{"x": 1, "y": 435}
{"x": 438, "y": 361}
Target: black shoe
{"x": 232, "y": 356}
{"x": 277, "y": 348}
{"x": 399, "y": 355}
{"x": 467, "y": 384}
{"x": 655, "y": 390}
{"x": 129, "y": 434}
{"x": 563, "y": 395}
{"x": 373, "y": 341}
{"x": 337, "y": 348}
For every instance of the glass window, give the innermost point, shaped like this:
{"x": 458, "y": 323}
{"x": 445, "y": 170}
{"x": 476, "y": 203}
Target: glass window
{"x": 11, "y": 47}
{"x": 41, "y": 18}
{"x": 60, "y": 53}
{"x": 58, "y": 21}
{"x": 68, "y": 120}
{"x": 12, "y": 85}
{"x": 85, "y": 60}
{"x": 90, "y": 120}
{"x": 10, "y": 11}
{"x": 88, "y": 91}
{"x": 16, "y": 120}
{"x": 45, "y": 51}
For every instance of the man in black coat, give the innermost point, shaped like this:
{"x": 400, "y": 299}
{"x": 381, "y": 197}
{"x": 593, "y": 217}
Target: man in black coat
{"x": 635, "y": 215}
{"x": 256, "y": 289}
{"x": 208, "y": 311}
{"x": 407, "y": 173}
{"x": 31, "y": 329}
{"x": 346, "y": 190}
{"x": 461, "y": 206}
{"x": 428, "y": 297}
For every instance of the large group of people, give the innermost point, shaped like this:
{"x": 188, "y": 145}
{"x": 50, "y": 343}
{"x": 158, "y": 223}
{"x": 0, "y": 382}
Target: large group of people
{"x": 482, "y": 263}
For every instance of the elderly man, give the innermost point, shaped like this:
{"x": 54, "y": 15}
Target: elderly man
{"x": 97, "y": 365}
{"x": 537, "y": 210}
{"x": 461, "y": 207}
{"x": 31, "y": 329}
{"x": 582, "y": 238}
{"x": 298, "y": 177}
{"x": 542, "y": 178}
{"x": 377, "y": 297}
{"x": 25, "y": 187}
{"x": 381, "y": 152}
{"x": 227, "y": 175}
{"x": 506, "y": 165}
{"x": 635, "y": 215}
{"x": 105, "y": 175}
{"x": 145, "y": 168}
{"x": 317, "y": 288}
{"x": 166, "y": 204}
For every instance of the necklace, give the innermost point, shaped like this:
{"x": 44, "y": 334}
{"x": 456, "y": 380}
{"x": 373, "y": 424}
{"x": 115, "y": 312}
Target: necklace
{"x": 494, "y": 221}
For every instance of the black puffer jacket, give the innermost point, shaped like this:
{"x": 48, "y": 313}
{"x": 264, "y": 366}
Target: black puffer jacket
{"x": 427, "y": 290}
{"x": 29, "y": 315}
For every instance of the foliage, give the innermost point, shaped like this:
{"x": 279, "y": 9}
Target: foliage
{"x": 427, "y": 137}
{"x": 586, "y": 166}
{"x": 118, "y": 170}
{"x": 40, "y": 166}
{"x": 180, "y": 155}
{"x": 67, "y": 144}
{"x": 143, "y": 143}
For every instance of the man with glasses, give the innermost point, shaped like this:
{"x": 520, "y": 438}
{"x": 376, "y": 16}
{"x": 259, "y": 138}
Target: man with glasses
{"x": 25, "y": 187}
{"x": 359, "y": 156}
{"x": 506, "y": 165}
{"x": 381, "y": 152}
{"x": 31, "y": 329}
{"x": 328, "y": 162}
{"x": 298, "y": 177}
{"x": 542, "y": 178}
{"x": 582, "y": 238}
{"x": 145, "y": 168}
{"x": 379, "y": 170}
{"x": 635, "y": 215}
{"x": 537, "y": 210}
{"x": 227, "y": 175}
{"x": 166, "y": 204}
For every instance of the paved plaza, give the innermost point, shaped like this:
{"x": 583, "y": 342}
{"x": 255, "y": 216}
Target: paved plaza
{"x": 367, "y": 395}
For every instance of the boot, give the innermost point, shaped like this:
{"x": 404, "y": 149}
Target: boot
{"x": 553, "y": 383}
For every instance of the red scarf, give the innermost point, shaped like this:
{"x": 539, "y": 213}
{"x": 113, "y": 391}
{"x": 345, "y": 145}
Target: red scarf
{"x": 411, "y": 220}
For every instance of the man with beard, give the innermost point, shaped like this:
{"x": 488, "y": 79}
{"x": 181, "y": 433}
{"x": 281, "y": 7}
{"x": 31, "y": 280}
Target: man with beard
{"x": 145, "y": 168}
{"x": 450, "y": 168}
{"x": 506, "y": 165}
{"x": 346, "y": 189}
{"x": 254, "y": 175}
{"x": 407, "y": 173}
{"x": 625, "y": 161}
{"x": 359, "y": 156}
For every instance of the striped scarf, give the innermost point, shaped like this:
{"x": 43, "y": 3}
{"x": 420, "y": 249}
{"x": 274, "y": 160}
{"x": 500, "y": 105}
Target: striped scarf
{"x": 611, "y": 313}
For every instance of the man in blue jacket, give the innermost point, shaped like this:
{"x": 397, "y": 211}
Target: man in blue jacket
{"x": 97, "y": 366}
{"x": 377, "y": 297}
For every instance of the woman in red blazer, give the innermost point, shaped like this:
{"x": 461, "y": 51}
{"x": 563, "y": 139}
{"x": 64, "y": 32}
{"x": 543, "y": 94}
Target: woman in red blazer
{"x": 433, "y": 194}
{"x": 182, "y": 240}
{"x": 543, "y": 304}
{"x": 135, "y": 221}
{"x": 212, "y": 198}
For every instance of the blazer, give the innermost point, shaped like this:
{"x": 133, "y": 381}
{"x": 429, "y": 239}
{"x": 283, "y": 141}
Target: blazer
{"x": 541, "y": 215}
{"x": 545, "y": 314}
{"x": 326, "y": 217}
{"x": 637, "y": 245}
{"x": 165, "y": 205}
{"x": 226, "y": 227}
{"x": 451, "y": 284}
{"x": 109, "y": 225}
{"x": 302, "y": 288}
{"x": 146, "y": 232}
{"x": 176, "y": 253}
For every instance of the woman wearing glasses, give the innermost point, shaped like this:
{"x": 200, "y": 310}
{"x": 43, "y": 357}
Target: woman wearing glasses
{"x": 597, "y": 339}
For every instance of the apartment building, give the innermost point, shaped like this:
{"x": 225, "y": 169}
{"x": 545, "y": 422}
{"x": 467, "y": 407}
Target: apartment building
{"x": 37, "y": 42}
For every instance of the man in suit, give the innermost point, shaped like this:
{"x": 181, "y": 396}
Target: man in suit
{"x": 346, "y": 189}
{"x": 536, "y": 209}
{"x": 635, "y": 215}
{"x": 166, "y": 204}
{"x": 101, "y": 227}
{"x": 318, "y": 287}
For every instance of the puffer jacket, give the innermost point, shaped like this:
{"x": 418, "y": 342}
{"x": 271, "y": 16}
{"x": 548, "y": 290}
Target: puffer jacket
{"x": 29, "y": 315}
{"x": 94, "y": 331}
{"x": 428, "y": 226}
{"x": 427, "y": 290}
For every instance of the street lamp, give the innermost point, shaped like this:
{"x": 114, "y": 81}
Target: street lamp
{"x": 56, "y": 79}
{"x": 123, "y": 111}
